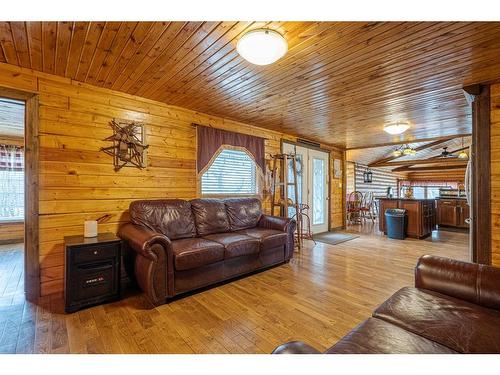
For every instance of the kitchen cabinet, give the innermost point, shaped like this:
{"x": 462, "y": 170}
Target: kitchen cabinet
{"x": 464, "y": 213}
{"x": 421, "y": 215}
{"x": 447, "y": 212}
{"x": 452, "y": 212}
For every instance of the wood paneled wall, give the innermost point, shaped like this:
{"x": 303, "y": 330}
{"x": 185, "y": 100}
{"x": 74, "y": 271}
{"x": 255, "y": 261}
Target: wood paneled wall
{"x": 443, "y": 175}
{"x": 350, "y": 176}
{"x": 11, "y": 232}
{"x": 495, "y": 173}
{"x": 337, "y": 191}
{"x": 77, "y": 181}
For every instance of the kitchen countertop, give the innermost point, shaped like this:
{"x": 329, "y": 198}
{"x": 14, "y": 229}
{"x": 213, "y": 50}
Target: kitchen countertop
{"x": 461, "y": 198}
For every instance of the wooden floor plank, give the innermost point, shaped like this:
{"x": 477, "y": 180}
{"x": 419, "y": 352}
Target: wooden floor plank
{"x": 324, "y": 292}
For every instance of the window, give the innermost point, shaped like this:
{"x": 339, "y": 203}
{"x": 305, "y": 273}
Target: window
{"x": 423, "y": 192}
{"x": 11, "y": 160}
{"x": 419, "y": 192}
{"x": 233, "y": 172}
{"x": 433, "y": 192}
{"x": 11, "y": 183}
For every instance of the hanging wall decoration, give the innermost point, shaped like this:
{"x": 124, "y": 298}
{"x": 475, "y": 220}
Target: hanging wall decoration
{"x": 129, "y": 148}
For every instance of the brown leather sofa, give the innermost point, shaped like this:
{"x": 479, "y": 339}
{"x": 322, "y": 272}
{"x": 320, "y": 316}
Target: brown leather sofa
{"x": 453, "y": 308}
{"x": 177, "y": 246}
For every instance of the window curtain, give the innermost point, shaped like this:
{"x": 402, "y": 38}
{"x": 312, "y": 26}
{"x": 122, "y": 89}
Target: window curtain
{"x": 11, "y": 182}
{"x": 210, "y": 140}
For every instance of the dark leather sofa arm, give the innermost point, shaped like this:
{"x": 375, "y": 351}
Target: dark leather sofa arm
{"x": 283, "y": 224}
{"x": 142, "y": 239}
{"x": 295, "y": 347}
{"x": 153, "y": 264}
{"x": 476, "y": 283}
{"x": 276, "y": 222}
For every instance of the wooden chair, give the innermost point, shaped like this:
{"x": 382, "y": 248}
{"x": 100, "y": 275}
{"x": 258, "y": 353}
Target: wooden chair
{"x": 367, "y": 207}
{"x": 353, "y": 207}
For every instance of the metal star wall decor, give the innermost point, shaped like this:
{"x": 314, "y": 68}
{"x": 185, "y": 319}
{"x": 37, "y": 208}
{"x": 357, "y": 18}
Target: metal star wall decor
{"x": 128, "y": 147}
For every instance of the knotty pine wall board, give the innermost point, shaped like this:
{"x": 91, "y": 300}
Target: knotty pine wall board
{"x": 78, "y": 182}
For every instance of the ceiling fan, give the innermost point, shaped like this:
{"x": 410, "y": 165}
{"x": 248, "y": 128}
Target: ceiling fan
{"x": 447, "y": 154}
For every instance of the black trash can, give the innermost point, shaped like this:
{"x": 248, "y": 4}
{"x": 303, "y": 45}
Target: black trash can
{"x": 395, "y": 223}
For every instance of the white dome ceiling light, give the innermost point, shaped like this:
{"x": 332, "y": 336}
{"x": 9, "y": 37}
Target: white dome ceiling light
{"x": 262, "y": 46}
{"x": 396, "y": 128}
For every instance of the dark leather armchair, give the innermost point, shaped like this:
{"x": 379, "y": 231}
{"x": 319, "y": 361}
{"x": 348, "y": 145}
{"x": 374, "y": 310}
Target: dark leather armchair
{"x": 178, "y": 246}
{"x": 453, "y": 308}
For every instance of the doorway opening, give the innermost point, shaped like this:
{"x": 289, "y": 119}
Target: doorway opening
{"x": 312, "y": 176}
{"x": 12, "y": 198}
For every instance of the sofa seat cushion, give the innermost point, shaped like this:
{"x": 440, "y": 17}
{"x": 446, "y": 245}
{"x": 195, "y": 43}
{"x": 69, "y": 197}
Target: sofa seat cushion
{"x": 196, "y": 252}
{"x": 269, "y": 238}
{"x": 376, "y": 336}
{"x": 236, "y": 244}
{"x": 455, "y": 323}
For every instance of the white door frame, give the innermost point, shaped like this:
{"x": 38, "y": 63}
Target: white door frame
{"x": 322, "y": 156}
{"x": 309, "y": 154}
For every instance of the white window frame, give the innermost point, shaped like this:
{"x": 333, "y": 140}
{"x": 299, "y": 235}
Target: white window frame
{"x": 258, "y": 176}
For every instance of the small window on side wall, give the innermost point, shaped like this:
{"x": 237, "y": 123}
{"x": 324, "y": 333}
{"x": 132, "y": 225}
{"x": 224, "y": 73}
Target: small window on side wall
{"x": 233, "y": 172}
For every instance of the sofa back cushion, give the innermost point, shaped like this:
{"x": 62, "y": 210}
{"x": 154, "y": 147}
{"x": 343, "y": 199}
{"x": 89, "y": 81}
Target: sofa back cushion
{"x": 243, "y": 213}
{"x": 171, "y": 217}
{"x": 476, "y": 283}
{"x": 210, "y": 216}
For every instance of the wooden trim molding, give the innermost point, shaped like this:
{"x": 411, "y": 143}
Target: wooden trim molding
{"x": 31, "y": 157}
{"x": 481, "y": 173}
{"x": 31, "y": 261}
{"x": 330, "y": 176}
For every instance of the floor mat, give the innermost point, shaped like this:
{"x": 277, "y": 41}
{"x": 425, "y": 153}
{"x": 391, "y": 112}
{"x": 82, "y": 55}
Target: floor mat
{"x": 334, "y": 238}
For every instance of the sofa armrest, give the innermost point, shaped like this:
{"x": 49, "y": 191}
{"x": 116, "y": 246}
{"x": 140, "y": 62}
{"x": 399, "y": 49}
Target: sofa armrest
{"x": 276, "y": 222}
{"x": 476, "y": 283}
{"x": 142, "y": 239}
{"x": 154, "y": 263}
{"x": 286, "y": 225}
{"x": 295, "y": 347}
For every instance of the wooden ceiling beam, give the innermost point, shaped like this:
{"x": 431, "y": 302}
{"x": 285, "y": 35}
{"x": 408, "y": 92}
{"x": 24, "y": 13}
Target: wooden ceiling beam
{"x": 419, "y": 148}
{"x": 429, "y": 168}
{"x": 435, "y": 158}
{"x": 446, "y": 137}
{"x": 423, "y": 161}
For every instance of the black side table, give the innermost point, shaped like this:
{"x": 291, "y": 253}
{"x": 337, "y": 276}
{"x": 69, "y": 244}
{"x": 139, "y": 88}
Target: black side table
{"x": 92, "y": 270}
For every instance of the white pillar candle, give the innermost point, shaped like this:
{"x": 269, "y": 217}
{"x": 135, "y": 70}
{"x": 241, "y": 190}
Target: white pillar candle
{"x": 90, "y": 228}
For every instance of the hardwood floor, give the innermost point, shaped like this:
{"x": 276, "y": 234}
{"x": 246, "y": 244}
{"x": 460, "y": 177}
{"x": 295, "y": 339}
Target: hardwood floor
{"x": 318, "y": 297}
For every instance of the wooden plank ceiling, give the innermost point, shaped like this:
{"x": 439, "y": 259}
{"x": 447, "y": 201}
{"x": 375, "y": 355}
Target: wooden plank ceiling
{"x": 339, "y": 83}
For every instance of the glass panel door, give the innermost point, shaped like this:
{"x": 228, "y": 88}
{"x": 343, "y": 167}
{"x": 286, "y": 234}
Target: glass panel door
{"x": 318, "y": 191}
{"x": 318, "y": 196}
